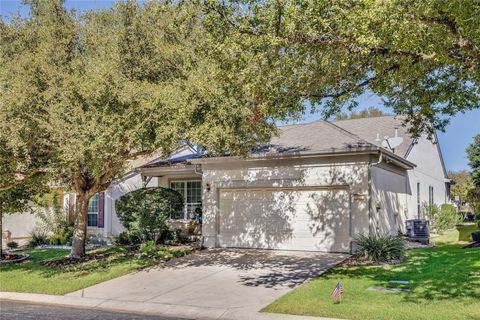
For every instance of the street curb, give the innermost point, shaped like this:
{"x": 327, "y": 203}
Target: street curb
{"x": 148, "y": 308}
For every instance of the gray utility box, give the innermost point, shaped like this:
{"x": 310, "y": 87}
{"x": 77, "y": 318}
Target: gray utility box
{"x": 417, "y": 230}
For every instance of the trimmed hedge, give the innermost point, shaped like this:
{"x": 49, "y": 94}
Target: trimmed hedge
{"x": 144, "y": 212}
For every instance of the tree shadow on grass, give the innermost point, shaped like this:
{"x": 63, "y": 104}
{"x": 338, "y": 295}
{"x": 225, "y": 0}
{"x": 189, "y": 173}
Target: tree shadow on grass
{"x": 35, "y": 264}
{"x": 439, "y": 273}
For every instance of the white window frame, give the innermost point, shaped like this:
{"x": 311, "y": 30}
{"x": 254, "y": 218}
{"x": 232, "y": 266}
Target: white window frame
{"x": 188, "y": 207}
{"x": 97, "y": 198}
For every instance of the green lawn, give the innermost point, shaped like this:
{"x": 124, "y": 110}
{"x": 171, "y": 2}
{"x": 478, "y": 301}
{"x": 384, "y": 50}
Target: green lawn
{"x": 441, "y": 284}
{"x": 32, "y": 276}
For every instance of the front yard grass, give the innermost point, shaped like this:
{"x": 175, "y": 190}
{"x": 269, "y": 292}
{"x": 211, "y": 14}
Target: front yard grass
{"x": 444, "y": 283}
{"x": 34, "y": 277}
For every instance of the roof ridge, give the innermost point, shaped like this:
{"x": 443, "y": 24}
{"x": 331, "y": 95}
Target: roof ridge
{"x": 299, "y": 124}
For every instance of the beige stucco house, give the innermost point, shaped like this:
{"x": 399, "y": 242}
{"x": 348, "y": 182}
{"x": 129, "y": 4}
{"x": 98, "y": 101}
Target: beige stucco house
{"x": 314, "y": 187}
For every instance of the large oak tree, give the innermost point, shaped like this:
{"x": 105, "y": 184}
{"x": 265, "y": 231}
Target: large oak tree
{"x": 104, "y": 87}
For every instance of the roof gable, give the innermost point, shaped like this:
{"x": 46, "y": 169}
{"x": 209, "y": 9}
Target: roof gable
{"x": 369, "y": 128}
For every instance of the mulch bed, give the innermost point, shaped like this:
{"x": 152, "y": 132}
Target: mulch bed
{"x": 472, "y": 245}
{"x": 68, "y": 261}
{"x": 362, "y": 261}
{"x": 8, "y": 258}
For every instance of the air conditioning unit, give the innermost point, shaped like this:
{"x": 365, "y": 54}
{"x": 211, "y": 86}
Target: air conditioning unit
{"x": 417, "y": 230}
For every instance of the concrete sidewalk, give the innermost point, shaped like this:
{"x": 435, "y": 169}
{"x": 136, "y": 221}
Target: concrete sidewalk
{"x": 149, "y": 308}
{"x": 223, "y": 284}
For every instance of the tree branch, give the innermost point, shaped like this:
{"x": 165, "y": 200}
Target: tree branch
{"x": 346, "y": 91}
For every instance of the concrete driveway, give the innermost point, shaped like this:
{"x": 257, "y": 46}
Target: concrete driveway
{"x": 215, "y": 283}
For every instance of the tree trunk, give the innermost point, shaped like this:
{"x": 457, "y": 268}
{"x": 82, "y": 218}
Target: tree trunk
{"x": 80, "y": 232}
{"x": 1, "y": 234}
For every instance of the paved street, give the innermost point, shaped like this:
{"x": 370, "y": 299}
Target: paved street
{"x": 18, "y": 311}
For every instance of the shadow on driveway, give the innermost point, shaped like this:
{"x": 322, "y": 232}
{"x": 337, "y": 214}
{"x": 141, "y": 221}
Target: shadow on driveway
{"x": 267, "y": 268}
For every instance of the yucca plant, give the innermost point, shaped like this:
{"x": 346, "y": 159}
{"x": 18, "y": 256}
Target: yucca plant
{"x": 379, "y": 247}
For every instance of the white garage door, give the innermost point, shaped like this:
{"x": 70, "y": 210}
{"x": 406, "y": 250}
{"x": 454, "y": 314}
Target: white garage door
{"x": 287, "y": 219}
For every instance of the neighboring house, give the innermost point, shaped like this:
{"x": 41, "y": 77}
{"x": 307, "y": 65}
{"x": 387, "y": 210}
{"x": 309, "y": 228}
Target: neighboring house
{"x": 312, "y": 188}
{"x": 18, "y": 227}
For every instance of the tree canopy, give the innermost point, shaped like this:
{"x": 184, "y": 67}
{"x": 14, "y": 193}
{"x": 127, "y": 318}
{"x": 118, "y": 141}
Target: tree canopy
{"x": 421, "y": 57}
{"x": 473, "y": 155}
{"x": 463, "y": 183}
{"x": 100, "y": 88}
{"x": 370, "y": 112}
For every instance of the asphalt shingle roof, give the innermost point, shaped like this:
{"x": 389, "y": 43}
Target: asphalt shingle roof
{"x": 324, "y": 136}
{"x": 318, "y": 136}
{"x": 368, "y": 128}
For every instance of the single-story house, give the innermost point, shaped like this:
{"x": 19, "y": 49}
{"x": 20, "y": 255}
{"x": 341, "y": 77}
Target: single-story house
{"x": 313, "y": 188}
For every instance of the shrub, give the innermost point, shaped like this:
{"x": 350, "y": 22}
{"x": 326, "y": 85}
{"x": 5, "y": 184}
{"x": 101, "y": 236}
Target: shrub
{"x": 53, "y": 220}
{"x": 149, "y": 249}
{"x": 476, "y": 236}
{"x": 125, "y": 239}
{"x": 446, "y": 218}
{"x": 39, "y": 237}
{"x": 430, "y": 211}
{"x": 144, "y": 212}
{"x": 379, "y": 248}
{"x": 12, "y": 245}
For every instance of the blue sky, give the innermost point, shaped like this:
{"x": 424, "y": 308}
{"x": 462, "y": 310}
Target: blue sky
{"x": 453, "y": 142}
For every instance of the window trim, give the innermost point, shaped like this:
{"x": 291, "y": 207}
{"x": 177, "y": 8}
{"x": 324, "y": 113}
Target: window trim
{"x": 185, "y": 193}
{"x": 96, "y": 197}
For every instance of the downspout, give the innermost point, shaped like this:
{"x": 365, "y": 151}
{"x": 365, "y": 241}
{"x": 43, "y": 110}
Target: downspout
{"x": 370, "y": 213}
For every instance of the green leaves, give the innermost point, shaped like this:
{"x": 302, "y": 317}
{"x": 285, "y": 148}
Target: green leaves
{"x": 144, "y": 212}
{"x": 421, "y": 57}
{"x": 473, "y": 154}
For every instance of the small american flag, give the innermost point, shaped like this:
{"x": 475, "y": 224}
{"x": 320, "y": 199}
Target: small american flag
{"x": 337, "y": 292}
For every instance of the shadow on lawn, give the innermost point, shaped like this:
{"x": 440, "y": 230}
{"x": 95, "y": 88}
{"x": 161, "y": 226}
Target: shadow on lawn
{"x": 35, "y": 263}
{"x": 438, "y": 273}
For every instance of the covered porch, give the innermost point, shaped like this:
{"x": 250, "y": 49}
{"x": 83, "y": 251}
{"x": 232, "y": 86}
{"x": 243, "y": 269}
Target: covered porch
{"x": 182, "y": 176}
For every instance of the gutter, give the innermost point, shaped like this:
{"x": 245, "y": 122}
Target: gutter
{"x": 392, "y": 157}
